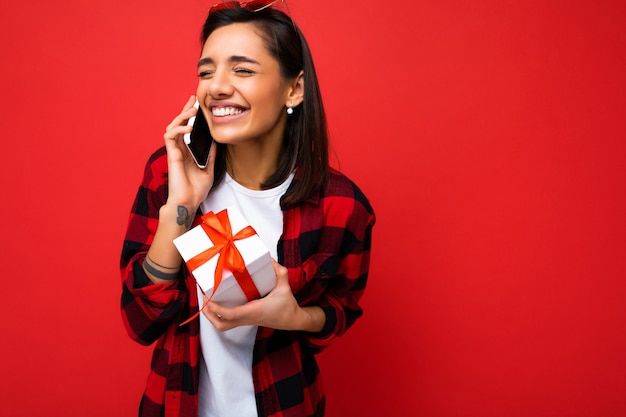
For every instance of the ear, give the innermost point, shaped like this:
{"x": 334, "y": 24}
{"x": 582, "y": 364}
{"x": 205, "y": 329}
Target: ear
{"x": 295, "y": 95}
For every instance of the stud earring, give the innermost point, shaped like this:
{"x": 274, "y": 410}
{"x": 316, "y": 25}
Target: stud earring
{"x": 290, "y": 108}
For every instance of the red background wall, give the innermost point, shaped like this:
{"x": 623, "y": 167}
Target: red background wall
{"x": 489, "y": 136}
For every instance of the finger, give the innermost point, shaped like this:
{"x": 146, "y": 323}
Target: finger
{"x": 277, "y": 267}
{"x": 281, "y": 272}
{"x": 188, "y": 109}
{"x": 247, "y": 313}
{"x": 207, "y": 311}
{"x": 217, "y": 310}
{"x": 174, "y": 133}
{"x": 187, "y": 112}
{"x": 190, "y": 103}
{"x": 181, "y": 119}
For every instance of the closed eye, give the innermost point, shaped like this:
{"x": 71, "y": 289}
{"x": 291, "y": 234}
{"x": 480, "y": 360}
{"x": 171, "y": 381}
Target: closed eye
{"x": 243, "y": 71}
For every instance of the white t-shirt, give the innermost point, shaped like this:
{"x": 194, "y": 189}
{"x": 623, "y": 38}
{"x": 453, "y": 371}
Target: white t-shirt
{"x": 226, "y": 388}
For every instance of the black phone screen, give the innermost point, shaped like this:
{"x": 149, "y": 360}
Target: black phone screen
{"x": 201, "y": 140}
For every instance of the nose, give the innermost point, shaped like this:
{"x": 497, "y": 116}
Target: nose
{"x": 220, "y": 84}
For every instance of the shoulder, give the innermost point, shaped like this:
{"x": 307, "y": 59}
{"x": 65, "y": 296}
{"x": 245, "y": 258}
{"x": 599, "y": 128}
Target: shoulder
{"x": 344, "y": 203}
{"x": 341, "y": 187}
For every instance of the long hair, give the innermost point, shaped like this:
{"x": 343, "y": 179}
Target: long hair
{"x": 305, "y": 141}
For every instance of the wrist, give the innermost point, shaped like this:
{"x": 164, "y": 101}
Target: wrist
{"x": 177, "y": 215}
{"x": 312, "y": 319}
{"x": 162, "y": 272}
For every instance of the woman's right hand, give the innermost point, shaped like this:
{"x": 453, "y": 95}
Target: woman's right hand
{"x": 188, "y": 184}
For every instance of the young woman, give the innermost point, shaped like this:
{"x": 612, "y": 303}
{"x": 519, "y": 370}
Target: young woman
{"x": 259, "y": 93}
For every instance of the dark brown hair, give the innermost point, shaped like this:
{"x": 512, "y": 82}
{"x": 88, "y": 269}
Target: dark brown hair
{"x": 305, "y": 141}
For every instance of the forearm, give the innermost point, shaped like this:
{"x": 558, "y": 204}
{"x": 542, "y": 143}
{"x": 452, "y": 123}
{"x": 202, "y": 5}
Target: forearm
{"x": 147, "y": 309}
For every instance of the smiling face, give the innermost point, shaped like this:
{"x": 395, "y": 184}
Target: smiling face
{"x": 241, "y": 89}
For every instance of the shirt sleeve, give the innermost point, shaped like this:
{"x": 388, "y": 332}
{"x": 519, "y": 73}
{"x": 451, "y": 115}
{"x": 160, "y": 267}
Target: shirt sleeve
{"x": 341, "y": 298}
{"x": 337, "y": 275}
{"x": 147, "y": 309}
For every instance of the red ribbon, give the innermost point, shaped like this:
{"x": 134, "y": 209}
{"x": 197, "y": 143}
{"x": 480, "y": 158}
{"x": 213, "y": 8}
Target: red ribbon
{"x": 218, "y": 229}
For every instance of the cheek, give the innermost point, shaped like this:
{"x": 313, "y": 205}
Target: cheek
{"x": 201, "y": 91}
{"x": 271, "y": 102}
{"x": 270, "y": 114}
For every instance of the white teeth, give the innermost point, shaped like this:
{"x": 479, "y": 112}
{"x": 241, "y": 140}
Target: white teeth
{"x": 225, "y": 111}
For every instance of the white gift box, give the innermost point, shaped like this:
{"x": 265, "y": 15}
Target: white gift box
{"x": 254, "y": 253}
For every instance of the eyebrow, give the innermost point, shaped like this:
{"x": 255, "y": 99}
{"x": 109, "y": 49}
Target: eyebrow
{"x": 232, "y": 59}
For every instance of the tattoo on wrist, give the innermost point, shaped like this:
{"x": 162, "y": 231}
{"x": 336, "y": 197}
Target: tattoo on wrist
{"x": 167, "y": 276}
{"x": 184, "y": 218}
{"x": 159, "y": 265}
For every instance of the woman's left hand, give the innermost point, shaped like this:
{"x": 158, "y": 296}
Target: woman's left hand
{"x": 278, "y": 310}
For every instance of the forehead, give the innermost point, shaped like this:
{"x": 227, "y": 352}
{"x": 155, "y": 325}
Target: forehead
{"x": 235, "y": 39}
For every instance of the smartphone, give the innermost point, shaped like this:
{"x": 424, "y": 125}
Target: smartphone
{"x": 199, "y": 140}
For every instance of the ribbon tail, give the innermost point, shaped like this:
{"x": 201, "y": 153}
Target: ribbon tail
{"x": 197, "y": 313}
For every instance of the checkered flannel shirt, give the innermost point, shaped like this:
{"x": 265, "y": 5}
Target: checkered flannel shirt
{"x": 325, "y": 246}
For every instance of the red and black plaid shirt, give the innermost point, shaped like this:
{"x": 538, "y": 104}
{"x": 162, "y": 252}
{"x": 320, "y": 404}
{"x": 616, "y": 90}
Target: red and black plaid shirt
{"x": 325, "y": 246}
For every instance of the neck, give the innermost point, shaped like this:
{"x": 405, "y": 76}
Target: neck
{"x": 252, "y": 166}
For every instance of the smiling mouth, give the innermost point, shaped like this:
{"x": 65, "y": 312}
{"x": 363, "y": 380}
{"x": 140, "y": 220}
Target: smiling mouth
{"x": 225, "y": 111}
